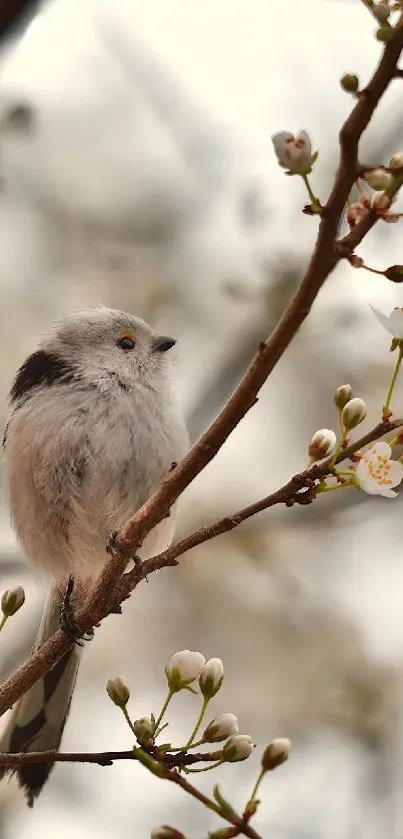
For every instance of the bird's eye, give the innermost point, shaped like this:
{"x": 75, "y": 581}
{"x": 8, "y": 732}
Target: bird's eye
{"x": 126, "y": 342}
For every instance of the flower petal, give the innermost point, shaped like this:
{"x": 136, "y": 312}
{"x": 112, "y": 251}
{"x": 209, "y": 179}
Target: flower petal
{"x": 396, "y": 322}
{"x": 395, "y": 473}
{"x": 368, "y": 484}
{"x": 280, "y": 142}
{"x": 386, "y": 493}
{"x": 304, "y": 137}
{"x": 383, "y": 319}
{"x": 380, "y": 448}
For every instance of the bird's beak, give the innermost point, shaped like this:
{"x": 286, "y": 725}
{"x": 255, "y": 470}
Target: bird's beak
{"x": 162, "y": 343}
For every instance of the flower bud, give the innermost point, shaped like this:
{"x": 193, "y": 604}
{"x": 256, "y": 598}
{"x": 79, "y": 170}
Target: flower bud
{"x": 238, "y": 747}
{"x": 118, "y": 689}
{"x": 276, "y": 753}
{"x": 358, "y": 210}
{"x": 378, "y": 178}
{"x": 381, "y": 11}
{"x": 342, "y": 395}
{"x": 394, "y": 273}
{"x": 183, "y": 668}
{"x": 144, "y": 730}
{"x": 164, "y": 831}
{"x": 385, "y": 33}
{"x": 221, "y": 728}
{"x": 381, "y": 201}
{"x": 353, "y": 413}
{"x": 350, "y": 82}
{"x": 322, "y": 443}
{"x": 211, "y": 677}
{"x": 12, "y": 600}
{"x": 355, "y": 261}
{"x": 396, "y": 162}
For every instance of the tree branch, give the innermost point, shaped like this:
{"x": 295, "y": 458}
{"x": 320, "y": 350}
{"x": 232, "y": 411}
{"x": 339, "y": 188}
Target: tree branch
{"x": 326, "y": 256}
{"x": 287, "y": 494}
{"x": 166, "y": 766}
{"x": 13, "y": 760}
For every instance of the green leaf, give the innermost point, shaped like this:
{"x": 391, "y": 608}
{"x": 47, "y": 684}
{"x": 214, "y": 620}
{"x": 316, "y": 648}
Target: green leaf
{"x": 226, "y": 808}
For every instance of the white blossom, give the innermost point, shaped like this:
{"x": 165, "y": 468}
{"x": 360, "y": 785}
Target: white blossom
{"x": 294, "y": 153}
{"x": 376, "y": 473}
{"x": 393, "y": 323}
{"x": 221, "y": 728}
{"x": 183, "y": 668}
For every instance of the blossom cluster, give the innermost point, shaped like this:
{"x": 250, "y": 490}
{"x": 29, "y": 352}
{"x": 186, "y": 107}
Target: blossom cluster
{"x": 184, "y": 670}
{"x": 375, "y": 470}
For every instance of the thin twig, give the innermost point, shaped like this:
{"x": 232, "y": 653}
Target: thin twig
{"x": 287, "y": 492}
{"x": 13, "y": 760}
{"x": 167, "y": 771}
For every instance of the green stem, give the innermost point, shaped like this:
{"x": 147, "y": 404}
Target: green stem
{"x": 192, "y": 746}
{"x": 331, "y": 488}
{"x": 339, "y": 445}
{"x": 373, "y": 270}
{"x": 164, "y": 707}
{"x": 3, "y": 621}
{"x": 198, "y": 722}
{"x": 257, "y": 785}
{"x": 393, "y": 381}
{"x": 205, "y": 768}
{"x": 128, "y": 720}
{"x": 170, "y": 775}
{"x": 314, "y": 200}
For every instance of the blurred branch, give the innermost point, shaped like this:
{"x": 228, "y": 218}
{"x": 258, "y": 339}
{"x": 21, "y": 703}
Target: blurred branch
{"x": 102, "y": 599}
{"x": 14, "y": 13}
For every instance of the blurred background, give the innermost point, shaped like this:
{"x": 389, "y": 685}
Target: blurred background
{"x": 136, "y": 170}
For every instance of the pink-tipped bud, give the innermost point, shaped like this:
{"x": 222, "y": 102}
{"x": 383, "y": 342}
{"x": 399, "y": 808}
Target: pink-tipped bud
{"x": 322, "y": 444}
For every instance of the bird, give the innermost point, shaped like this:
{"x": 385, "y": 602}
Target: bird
{"x": 94, "y": 424}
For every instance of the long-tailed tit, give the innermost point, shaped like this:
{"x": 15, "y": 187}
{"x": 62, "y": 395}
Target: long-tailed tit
{"x": 93, "y": 427}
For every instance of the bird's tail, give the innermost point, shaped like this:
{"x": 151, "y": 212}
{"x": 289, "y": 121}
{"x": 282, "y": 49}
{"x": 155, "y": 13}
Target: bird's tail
{"x": 37, "y": 720}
